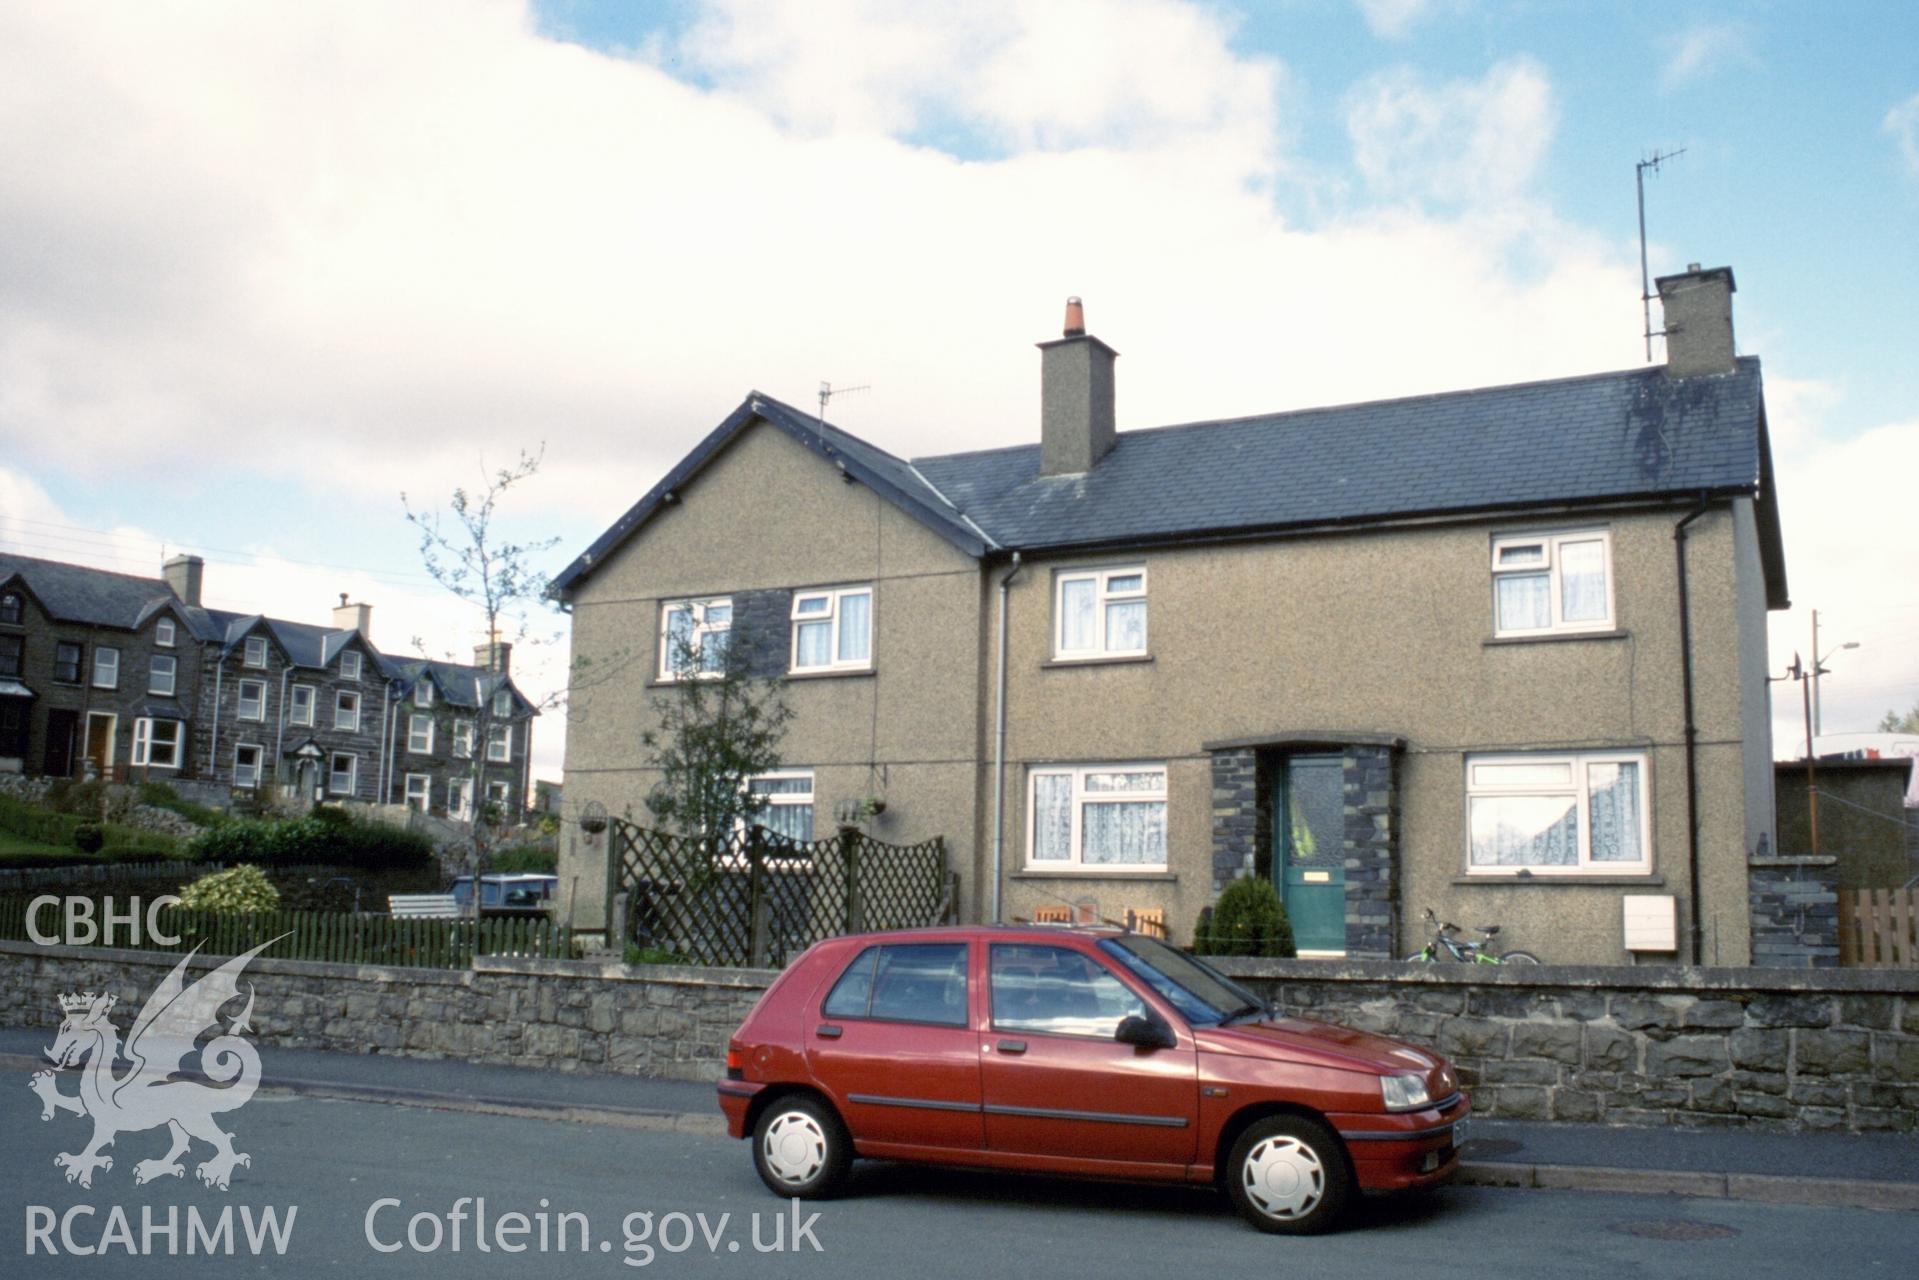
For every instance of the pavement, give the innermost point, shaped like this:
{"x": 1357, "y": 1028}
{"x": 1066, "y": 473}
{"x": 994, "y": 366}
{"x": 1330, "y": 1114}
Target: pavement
{"x": 1869, "y": 1171}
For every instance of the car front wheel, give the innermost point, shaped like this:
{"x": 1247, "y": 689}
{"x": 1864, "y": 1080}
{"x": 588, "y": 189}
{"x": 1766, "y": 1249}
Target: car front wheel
{"x": 801, "y": 1149}
{"x": 1290, "y": 1175}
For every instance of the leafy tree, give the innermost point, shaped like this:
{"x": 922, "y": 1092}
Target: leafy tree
{"x": 714, "y": 728}
{"x": 1896, "y": 723}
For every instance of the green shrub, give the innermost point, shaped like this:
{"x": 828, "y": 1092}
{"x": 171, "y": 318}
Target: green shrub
{"x": 523, "y": 857}
{"x": 88, "y": 837}
{"x": 162, "y": 796}
{"x": 68, "y": 796}
{"x": 42, "y": 826}
{"x": 1248, "y": 920}
{"x": 242, "y": 888}
{"x": 329, "y": 841}
{"x": 331, "y": 815}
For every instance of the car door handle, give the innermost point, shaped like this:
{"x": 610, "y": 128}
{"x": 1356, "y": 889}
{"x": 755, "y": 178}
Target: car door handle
{"x": 827, "y": 1031}
{"x": 1012, "y": 1046}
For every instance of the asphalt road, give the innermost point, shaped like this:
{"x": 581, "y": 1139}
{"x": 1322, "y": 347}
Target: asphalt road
{"x": 325, "y": 1164}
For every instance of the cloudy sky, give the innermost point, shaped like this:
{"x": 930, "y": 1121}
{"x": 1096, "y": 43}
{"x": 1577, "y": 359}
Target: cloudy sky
{"x": 264, "y": 267}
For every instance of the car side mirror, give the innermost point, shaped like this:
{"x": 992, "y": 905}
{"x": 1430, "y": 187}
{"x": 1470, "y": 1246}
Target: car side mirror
{"x": 1144, "y": 1033}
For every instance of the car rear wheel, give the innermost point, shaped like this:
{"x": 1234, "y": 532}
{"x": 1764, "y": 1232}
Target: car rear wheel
{"x": 801, "y": 1149}
{"x": 1288, "y": 1174}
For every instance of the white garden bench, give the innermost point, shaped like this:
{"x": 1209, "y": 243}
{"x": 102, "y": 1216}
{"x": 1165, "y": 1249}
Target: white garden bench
{"x": 422, "y": 906}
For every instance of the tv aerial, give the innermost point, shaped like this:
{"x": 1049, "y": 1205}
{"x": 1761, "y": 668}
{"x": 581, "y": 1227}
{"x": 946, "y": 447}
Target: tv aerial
{"x": 1652, "y": 162}
{"x": 828, "y": 391}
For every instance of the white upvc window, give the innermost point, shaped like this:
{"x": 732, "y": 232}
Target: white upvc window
{"x": 1105, "y": 816}
{"x": 419, "y": 734}
{"x": 163, "y": 633}
{"x": 693, "y": 637}
{"x": 419, "y": 791}
{"x": 253, "y": 699}
{"x": 156, "y": 743}
{"x": 423, "y": 694}
{"x": 350, "y": 665}
{"x": 499, "y": 743}
{"x": 785, "y": 803}
{"x": 459, "y": 798}
{"x": 300, "y": 710}
{"x": 1552, "y": 582}
{"x": 256, "y": 651}
{"x": 106, "y": 667}
{"x": 463, "y": 739}
{"x": 1100, "y": 613}
{"x": 1558, "y": 814}
{"x": 343, "y": 773}
{"x": 346, "y": 711}
{"x": 162, "y": 672}
{"x": 833, "y": 629}
{"x": 248, "y": 762}
{"x": 503, "y": 703}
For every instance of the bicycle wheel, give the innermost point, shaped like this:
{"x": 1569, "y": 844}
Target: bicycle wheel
{"x": 1423, "y": 956}
{"x": 1518, "y": 957}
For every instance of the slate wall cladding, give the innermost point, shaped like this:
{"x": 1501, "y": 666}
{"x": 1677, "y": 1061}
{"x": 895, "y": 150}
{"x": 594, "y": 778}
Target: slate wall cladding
{"x": 1693, "y": 1048}
{"x": 661, "y": 1021}
{"x": 1372, "y": 836}
{"x": 762, "y": 626}
{"x": 1795, "y": 911}
{"x": 1235, "y": 814}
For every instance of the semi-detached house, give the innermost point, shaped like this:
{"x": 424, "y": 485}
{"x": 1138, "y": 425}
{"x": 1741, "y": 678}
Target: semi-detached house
{"x": 1499, "y": 653}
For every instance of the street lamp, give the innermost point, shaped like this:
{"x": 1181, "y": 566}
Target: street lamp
{"x": 1819, "y": 669}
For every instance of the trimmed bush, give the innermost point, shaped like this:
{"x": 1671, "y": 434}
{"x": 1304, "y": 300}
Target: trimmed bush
{"x": 1248, "y": 920}
{"x": 242, "y": 888}
{"x": 333, "y": 841}
{"x": 88, "y": 837}
{"x": 30, "y": 822}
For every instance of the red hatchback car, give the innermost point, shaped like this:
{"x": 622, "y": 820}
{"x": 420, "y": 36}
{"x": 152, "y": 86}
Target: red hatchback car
{"x": 1084, "y": 1052}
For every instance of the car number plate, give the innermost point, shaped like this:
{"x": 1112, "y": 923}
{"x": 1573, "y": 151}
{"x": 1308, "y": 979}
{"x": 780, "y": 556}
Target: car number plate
{"x": 1459, "y": 1134}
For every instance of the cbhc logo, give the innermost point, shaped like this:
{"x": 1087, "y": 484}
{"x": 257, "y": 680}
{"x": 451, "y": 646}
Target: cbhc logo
{"x": 81, "y": 929}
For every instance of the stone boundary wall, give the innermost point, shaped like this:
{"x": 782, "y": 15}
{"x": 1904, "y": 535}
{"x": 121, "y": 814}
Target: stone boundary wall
{"x": 1695, "y": 1048}
{"x": 665, "y": 1021}
{"x": 1690, "y": 1047}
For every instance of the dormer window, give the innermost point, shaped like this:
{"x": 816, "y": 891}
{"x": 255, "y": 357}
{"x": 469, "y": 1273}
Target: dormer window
{"x": 349, "y": 666}
{"x": 423, "y": 694}
{"x": 163, "y": 632}
{"x": 256, "y": 651}
{"x": 503, "y": 703}
{"x": 11, "y": 610}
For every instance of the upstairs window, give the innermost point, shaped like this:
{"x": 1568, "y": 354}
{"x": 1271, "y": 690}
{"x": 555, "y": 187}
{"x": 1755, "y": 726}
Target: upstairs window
{"x": 1101, "y": 612}
{"x": 423, "y": 694}
{"x": 1549, "y": 583}
{"x": 419, "y": 734}
{"x": 66, "y": 662}
{"x": 256, "y": 651}
{"x": 162, "y": 669}
{"x": 253, "y": 700}
{"x": 11, "y": 610}
{"x": 503, "y": 703}
{"x": 463, "y": 739}
{"x": 499, "y": 743}
{"x": 300, "y": 710}
{"x": 346, "y": 711}
{"x": 1558, "y": 814}
{"x": 13, "y": 656}
{"x": 163, "y": 633}
{"x": 349, "y": 665}
{"x": 106, "y": 667}
{"x": 693, "y": 637}
{"x": 833, "y": 630}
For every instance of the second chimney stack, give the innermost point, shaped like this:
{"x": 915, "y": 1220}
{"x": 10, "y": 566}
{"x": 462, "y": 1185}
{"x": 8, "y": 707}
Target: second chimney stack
{"x": 1075, "y": 398}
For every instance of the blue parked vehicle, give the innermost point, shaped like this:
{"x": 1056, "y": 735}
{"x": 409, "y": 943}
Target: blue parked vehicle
{"x": 518, "y": 893}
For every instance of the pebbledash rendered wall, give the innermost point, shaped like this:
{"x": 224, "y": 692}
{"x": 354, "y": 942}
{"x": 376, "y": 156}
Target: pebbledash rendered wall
{"x": 1773, "y": 1048}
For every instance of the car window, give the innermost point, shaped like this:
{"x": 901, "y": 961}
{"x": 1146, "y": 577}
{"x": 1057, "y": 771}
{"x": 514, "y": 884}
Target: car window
{"x": 1057, "y": 990}
{"x": 924, "y": 982}
{"x": 853, "y": 993}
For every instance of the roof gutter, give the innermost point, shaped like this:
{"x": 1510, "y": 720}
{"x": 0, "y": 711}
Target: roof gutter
{"x": 1696, "y": 934}
{"x": 999, "y": 745}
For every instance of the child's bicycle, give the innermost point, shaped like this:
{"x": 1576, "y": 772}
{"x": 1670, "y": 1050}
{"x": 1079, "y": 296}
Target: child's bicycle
{"x": 1445, "y": 947}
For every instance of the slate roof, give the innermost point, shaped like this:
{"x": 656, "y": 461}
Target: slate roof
{"x": 92, "y": 597}
{"x": 1609, "y": 437}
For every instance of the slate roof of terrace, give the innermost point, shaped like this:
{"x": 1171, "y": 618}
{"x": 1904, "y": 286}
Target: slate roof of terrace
{"x": 1625, "y": 436}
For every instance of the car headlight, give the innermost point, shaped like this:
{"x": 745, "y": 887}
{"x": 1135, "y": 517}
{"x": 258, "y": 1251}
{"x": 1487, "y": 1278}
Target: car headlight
{"x": 1404, "y": 1093}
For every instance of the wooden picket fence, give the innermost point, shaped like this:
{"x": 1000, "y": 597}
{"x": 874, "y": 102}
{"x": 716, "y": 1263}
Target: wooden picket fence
{"x": 333, "y": 936}
{"x": 1879, "y": 928}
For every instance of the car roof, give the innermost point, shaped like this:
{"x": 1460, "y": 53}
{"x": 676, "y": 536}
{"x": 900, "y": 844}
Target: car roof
{"x": 995, "y": 932}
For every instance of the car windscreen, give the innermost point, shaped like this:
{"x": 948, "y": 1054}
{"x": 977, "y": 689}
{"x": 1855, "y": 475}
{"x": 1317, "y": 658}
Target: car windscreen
{"x": 1201, "y": 993}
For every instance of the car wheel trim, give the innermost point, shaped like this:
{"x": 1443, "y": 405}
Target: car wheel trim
{"x": 1284, "y": 1178}
{"x": 794, "y": 1147}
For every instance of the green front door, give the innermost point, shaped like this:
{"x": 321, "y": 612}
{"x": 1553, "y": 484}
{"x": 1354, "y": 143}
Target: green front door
{"x": 1309, "y": 854}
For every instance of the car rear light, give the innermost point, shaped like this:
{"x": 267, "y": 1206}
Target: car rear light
{"x": 735, "y": 1064}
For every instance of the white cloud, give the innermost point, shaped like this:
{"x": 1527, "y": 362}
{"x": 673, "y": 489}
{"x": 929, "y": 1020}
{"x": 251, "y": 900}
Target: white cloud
{"x": 1902, "y": 122}
{"x": 1393, "y": 19}
{"x": 1704, "y": 50}
{"x": 1474, "y": 141}
{"x": 266, "y": 580}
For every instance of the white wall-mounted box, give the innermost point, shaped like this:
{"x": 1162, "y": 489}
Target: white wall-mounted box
{"x": 1651, "y": 921}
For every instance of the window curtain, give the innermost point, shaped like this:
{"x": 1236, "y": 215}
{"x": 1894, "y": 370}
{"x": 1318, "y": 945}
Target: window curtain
{"x": 1052, "y": 817}
{"x": 1076, "y": 614}
{"x": 1525, "y": 602}
{"x": 1582, "y": 581}
{"x": 815, "y": 648}
{"x": 1534, "y": 831}
{"x": 1126, "y": 625}
{"x": 1122, "y": 834}
{"x": 856, "y": 627}
{"x": 1615, "y": 812}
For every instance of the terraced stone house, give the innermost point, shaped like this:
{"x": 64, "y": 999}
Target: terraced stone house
{"x": 1498, "y": 653}
{"x": 115, "y": 675}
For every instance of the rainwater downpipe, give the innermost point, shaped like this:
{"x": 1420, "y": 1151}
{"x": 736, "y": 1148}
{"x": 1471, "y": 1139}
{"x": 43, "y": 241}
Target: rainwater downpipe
{"x": 999, "y": 743}
{"x": 1692, "y": 736}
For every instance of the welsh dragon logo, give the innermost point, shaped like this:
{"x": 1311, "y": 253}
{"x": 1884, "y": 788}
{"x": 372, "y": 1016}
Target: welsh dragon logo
{"x": 150, "y": 1094}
